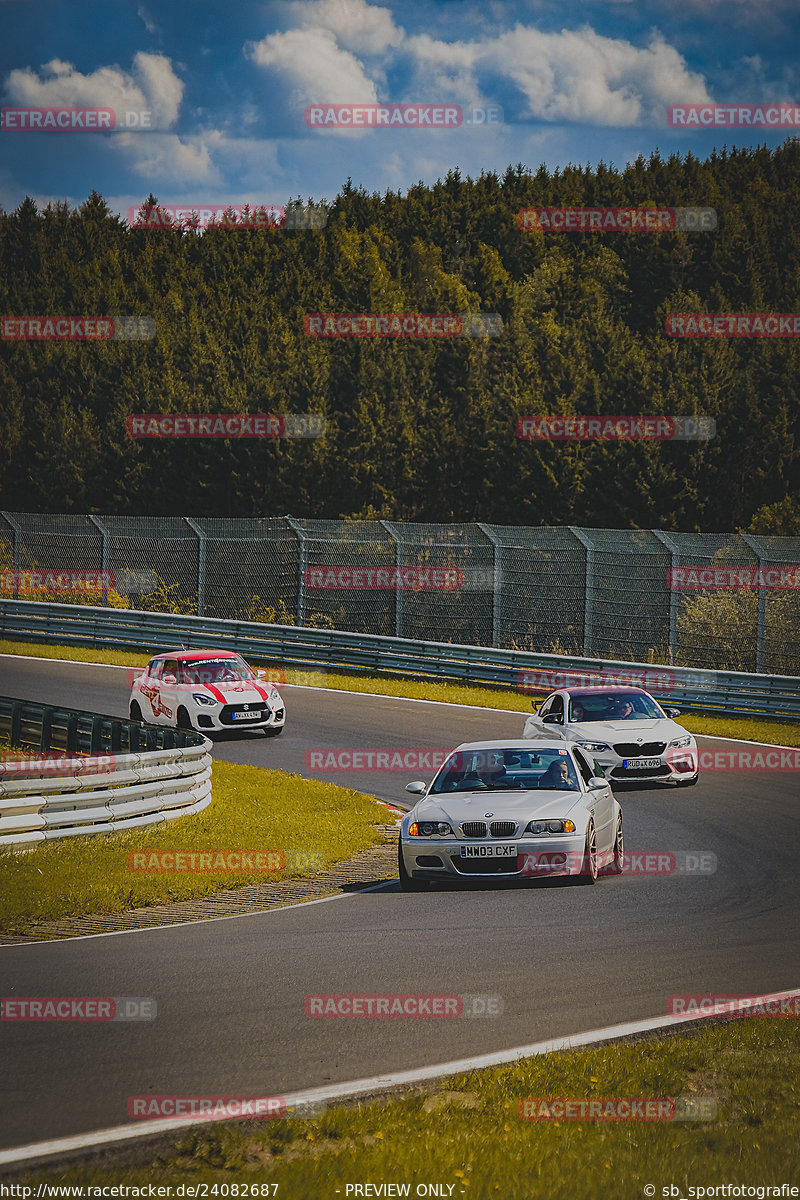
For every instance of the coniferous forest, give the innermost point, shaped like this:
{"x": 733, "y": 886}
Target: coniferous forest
{"x": 419, "y": 429}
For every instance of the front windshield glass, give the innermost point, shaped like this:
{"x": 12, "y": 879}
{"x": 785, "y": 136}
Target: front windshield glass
{"x": 482, "y": 770}
{"x": 214, "y": 670}
{"x": 615, "y": 706}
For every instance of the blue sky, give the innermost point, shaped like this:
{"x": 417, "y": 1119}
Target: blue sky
{"x": 227, "y": 85}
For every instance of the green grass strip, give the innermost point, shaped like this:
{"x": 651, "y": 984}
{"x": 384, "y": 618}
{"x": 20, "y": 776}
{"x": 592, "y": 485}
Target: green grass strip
{"x": 466, "y": 1131}
{"x": 252, "y": 809}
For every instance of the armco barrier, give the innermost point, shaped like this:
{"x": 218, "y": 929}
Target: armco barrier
{"x": 288, "y": 646}
{"x": 137, "y": 774}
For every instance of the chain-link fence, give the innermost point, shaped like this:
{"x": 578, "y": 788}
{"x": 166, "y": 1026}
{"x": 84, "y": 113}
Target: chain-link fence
{"x": 725, "y": 601}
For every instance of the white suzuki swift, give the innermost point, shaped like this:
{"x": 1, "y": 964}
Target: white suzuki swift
{"x": 206, "y": 690}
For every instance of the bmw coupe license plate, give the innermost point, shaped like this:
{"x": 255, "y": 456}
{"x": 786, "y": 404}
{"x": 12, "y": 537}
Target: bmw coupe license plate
{"x": 646, "y": 763}
{"x": 248, "y": 716}
{"x": 489, "y": 851}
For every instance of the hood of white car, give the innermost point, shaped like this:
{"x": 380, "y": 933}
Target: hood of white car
{"x": 503, "y": 806}
{"x": 656, "y": 729}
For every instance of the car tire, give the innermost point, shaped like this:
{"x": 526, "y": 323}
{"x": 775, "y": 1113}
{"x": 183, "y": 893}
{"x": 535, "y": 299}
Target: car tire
{"x": 184, "y": 720}
{"x": 136, "y": 712}
{"x": 687, "y": 782}
{"x": 407, "y": 883}
{"x": 589, "y": 866}
{"x": 618, "y": 863}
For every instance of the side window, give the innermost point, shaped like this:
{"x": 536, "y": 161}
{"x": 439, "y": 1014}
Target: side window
{"x": 584, "y": 766}
{"x": 154, "y": 670}
{"x": 170, "y": 668}
{"x": 545, "y": 709}
{"x": 557, "y": 707}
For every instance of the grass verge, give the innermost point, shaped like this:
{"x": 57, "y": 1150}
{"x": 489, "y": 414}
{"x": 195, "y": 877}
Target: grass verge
{"x": 252, "y": 809}
{"x": 466, "y": 1132}
{"x": 740, "y": 728}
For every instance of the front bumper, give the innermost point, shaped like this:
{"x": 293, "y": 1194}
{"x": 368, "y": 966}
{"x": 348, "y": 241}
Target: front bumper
{"x": 224, "y": 718}
{"x": 675, "y": 764}
{"x": 535, "y": 858}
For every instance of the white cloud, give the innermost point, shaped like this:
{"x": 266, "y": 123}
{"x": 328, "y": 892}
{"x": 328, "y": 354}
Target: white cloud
{"x": 164, "y": 156}
{"x": 354, "y": 23}
{"x": 151, "y": 85}
{"x": 317, "y": 66}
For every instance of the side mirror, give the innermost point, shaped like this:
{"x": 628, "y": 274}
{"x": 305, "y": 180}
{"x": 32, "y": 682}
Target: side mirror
{"x": 169, "y": 680}
{"x": 553, "y": 719}
{"x": 672, "y": 712}
{"x": 261, "y": 673}
{"x": 595, "y": 783}
{"x": 417, "y": 788}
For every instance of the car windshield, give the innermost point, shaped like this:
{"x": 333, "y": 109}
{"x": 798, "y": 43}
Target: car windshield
{"x": 214, "y": 670}
{"x": 479, "y": 770}
{"x": 615, "y": 706}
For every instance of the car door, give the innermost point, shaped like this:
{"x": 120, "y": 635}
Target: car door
{"x": 150, "y": 689}
{"x": 170, "y": 691}
{"x": 600, "y": 802}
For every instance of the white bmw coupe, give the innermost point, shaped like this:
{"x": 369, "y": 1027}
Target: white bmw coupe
{"x": 627, "y": 733}
{"x": 513, "y": 811}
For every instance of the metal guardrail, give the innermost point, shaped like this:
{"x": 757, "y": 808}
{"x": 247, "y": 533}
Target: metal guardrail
{"x": 726, "y": 692}
{"x": 116, "y": 774}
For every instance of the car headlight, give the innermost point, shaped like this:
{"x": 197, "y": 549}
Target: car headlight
{"x": 684, "y": 741}
{"x": 539, "y": 827}
{"x": 594, "y": 746}
{"x": 203, "y": 699}
{"x": 429, "y": 829}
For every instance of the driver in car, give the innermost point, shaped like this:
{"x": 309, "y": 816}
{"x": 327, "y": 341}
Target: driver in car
{"x": 558, "y": 775}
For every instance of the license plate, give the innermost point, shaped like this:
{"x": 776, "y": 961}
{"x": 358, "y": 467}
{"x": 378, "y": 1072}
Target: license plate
{"x": 248, "y": 716}
{"x": 489, "y": 851}
{"x": 646, "y": 763}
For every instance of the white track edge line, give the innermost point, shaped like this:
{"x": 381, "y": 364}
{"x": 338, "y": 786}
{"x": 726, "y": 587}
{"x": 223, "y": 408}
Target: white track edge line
{"x": 356, "y": 1087}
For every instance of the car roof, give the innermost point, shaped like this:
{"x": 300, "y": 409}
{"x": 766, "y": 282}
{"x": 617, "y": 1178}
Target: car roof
{"x": 602, "y": 691}
{"x": 516, "y": 744}
{"x": 194, "y": 655}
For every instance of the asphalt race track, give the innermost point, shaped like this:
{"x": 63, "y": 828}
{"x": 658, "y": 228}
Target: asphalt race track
{"x": 230, "y": 994}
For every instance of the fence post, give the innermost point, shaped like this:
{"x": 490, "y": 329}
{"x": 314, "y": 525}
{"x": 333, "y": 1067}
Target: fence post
{"x": 103, "y": 555}
{"x": 497, "y": 579}
{"x": 397, "y": 538}
{"x": 302, "y": 564}
{"x": 754, "y": 544}
{"x": 201, "y": 564}
{"x": 588, "y": 604}
{"x": 17, "y": 532}
{"x": 675, "y": 556}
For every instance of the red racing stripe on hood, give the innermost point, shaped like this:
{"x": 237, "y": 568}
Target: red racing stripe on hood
{"x": 216, "y": 693}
